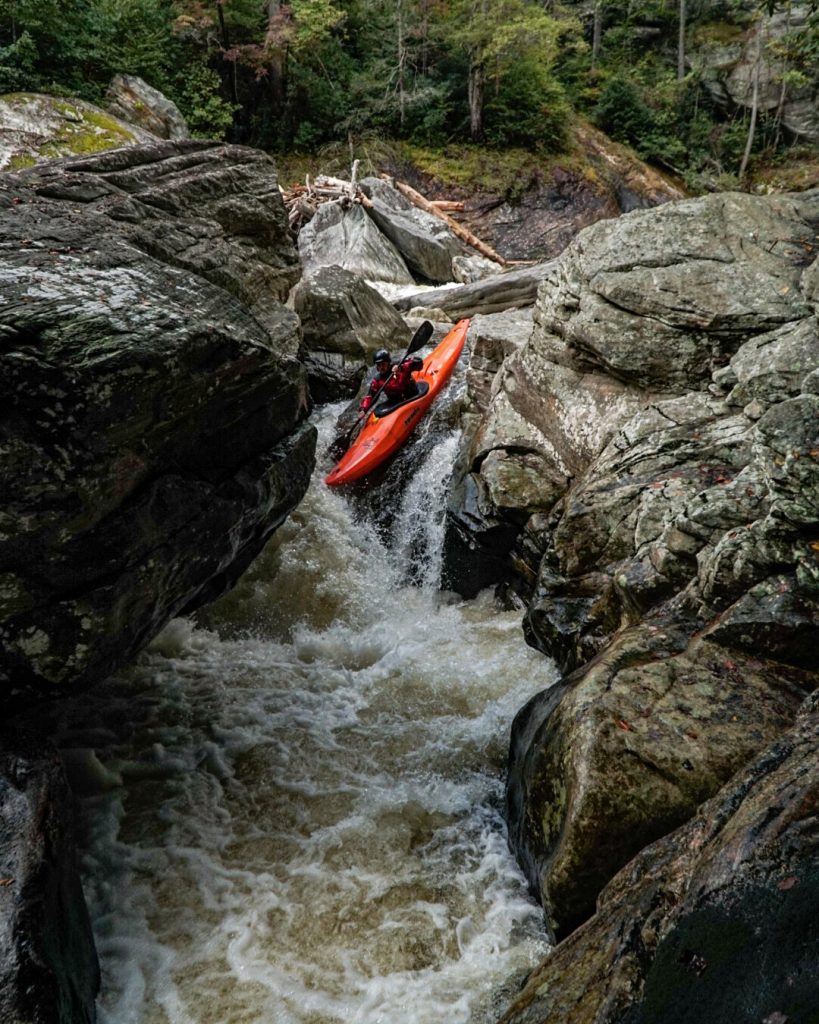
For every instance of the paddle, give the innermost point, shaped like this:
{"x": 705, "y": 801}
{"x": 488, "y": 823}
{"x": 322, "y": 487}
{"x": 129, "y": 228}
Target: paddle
{"x": 419, "y": 339}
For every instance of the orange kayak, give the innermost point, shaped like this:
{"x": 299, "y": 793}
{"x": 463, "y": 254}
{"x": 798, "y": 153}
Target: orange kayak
{"x": 382, "y": 436}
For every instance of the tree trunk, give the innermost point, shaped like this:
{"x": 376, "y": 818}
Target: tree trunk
{"x": 223, "y": 29}
{"x": 402, "y": 56}
{"x": 681, "y": 43}
{"x": 277, "y": 56}
{"x": 754, "y": 107}
{"x": 597, "y": 31}
{"x": 475, "y": 90}
{"x": 783, "y": 92}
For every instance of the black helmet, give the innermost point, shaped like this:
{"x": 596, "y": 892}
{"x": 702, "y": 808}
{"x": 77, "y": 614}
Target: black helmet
{"x": 381, "y": 355}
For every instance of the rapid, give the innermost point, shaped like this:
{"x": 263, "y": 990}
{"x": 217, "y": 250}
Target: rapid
{"x": 292, "y": 803}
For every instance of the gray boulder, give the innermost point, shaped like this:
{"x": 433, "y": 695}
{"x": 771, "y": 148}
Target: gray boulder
{"x": 730, "y": 68}
{"x": 344, "y": 322}
{"x": 153, "y": 401}
{"x": 624, "y": 751}
{"x": 348, "y": 238}
{"x": 425, "y": 242}
{"x": 714, "y": 922}
{"x": 649, "y": 459}
{"x": 133, "y": 100}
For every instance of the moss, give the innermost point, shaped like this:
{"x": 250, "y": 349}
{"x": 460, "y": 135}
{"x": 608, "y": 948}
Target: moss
{"x": 587, "y": 158}
{"x": 20, "y": 161}
{"x": 718, "y": 33}
{"x": 795, "y": 170}
{"x": 107, "y": 123}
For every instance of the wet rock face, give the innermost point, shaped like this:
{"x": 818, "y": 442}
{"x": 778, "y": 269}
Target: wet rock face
{"x": 152, "y": 402}
{"x": 48, "y": 965}
{"x": 626, "y": 750}
{"x": 653, "y": 448}
{"x": 714, "y": 922}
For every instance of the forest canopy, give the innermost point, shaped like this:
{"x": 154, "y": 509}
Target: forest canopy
{"x": 296, "y": 76}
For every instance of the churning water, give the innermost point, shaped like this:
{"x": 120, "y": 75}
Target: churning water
{"x": 293, "y": 808}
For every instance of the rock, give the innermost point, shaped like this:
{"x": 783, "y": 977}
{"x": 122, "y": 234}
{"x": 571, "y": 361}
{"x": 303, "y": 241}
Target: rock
{"x": 625, "y": 750}
{"x": 494, "y": 337}
{"x": 468, "y": 269}
{"x": 657, "y": 298}
{"x": 36, "y": 128}
{"x": 732, "y": 75}
{"x": 660, "y": 532}
{"x": 603, "y": 352}
{"x": 344, "y": 322}
{"x": 140, "y": 330}
{"x": 349, "y": 239}
{"x": 714, "y": 922}
{"x": 511, "y": 289}
{"x": 425, "y": 242}
{"x": 48, "y": 964}
{"x": 771, "y": 367}
{"x": 341, "y": 313}
{"x": 134, "y": 101}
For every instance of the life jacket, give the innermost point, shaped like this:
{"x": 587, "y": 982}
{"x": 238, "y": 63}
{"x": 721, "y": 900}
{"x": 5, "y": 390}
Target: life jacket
{"x": 398, "y": 380}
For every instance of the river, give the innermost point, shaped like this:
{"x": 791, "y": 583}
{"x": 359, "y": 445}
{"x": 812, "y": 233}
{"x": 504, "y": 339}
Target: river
{"x": 292, "y": 805}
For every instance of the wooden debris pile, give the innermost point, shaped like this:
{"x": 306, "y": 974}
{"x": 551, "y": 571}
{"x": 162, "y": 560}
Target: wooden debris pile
{"x": 302, "y": 202}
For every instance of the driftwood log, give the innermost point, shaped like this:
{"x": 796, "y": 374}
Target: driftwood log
{"x": 458, "y": 229}
{"x": 512, "y": 289}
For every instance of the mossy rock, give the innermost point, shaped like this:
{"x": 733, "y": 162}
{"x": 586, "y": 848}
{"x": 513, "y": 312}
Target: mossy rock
{"x": 38, "y": 128}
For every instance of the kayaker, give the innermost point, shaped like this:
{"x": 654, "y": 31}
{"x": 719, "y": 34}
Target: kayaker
{"x": 395, "y": 382}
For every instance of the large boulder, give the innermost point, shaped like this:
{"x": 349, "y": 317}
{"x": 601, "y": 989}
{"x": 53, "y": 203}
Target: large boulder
{"x": 425, "y": 242}
{"x": 346, "y": 237}
{"x": 715, "y": 922}
{"x": 153, "y": 400}
{"x": 731, "y": 69}
{"x": 637, "y": 316}
{"x": 649, "y": 458}
{"x": 624, "y": 751}
{"x": 133, "y": 100}
{"x": 35, "y": 128}
{"x": 344, "y": 321}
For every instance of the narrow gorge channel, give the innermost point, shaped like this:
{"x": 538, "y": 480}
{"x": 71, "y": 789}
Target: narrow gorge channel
{"x": 293, "y": 807}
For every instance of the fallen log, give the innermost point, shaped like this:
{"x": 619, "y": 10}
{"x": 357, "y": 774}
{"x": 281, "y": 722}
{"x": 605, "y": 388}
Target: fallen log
{"x": 424, "y": 204}
{"x": 451, "y": 205}
{"x": 513, "y": 289}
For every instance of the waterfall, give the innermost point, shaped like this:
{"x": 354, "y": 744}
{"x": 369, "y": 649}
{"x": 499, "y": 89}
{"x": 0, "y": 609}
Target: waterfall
{"x": 293, "y": 807}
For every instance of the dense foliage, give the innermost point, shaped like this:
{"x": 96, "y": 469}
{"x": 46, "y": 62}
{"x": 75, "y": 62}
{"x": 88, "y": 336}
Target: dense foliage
{"x": 301, "y": 74}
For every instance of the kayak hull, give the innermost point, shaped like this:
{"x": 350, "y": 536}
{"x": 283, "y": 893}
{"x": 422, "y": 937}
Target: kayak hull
{"x": 382, "y": 436}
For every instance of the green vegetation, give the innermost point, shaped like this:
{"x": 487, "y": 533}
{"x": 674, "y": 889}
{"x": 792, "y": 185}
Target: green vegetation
{"x": 506, "y": 76}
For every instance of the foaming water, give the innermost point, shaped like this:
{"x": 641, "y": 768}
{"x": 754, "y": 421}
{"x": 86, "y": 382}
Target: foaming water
{"x": 295, "y": 804}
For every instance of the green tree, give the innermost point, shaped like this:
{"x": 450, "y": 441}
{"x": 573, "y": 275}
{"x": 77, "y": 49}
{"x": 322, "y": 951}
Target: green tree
{"x": 497, "y": 40}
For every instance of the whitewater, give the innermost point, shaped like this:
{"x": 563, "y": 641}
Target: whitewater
{"x": 292, "y": 803}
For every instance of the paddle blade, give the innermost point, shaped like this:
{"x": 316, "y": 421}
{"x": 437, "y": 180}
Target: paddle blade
{"x": 421, "y": 337}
